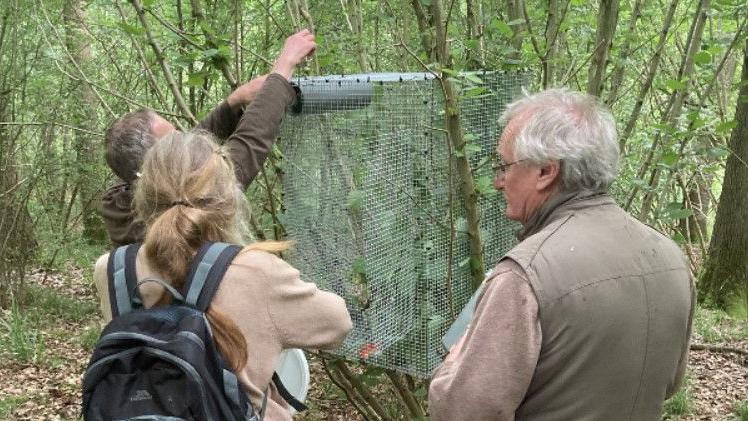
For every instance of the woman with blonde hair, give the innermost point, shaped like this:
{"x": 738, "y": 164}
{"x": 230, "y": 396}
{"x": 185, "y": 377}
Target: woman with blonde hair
{"x": 187, "y": 195}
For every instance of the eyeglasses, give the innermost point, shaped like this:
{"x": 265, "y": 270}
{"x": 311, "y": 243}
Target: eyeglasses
{"x": 499, "y": 167}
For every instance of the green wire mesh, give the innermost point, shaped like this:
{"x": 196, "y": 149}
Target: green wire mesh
{"x": 369, "y": 202}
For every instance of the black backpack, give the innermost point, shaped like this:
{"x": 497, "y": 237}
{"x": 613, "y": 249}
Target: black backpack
{"x": 162, "y": 363}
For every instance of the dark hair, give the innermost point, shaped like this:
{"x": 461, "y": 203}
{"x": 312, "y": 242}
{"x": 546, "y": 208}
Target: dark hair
{"x": 127, "y": 141}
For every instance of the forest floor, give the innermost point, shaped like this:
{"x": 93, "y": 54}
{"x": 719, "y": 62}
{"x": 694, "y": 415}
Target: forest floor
{"x": 45, "y": 348}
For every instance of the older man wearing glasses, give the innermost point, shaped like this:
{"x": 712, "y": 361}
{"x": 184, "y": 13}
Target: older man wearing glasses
{"x": 589, "y": 316}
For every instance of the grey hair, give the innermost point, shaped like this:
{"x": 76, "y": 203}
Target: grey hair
{"x": 127, "y": 140}
{"x": 571, "y": 127}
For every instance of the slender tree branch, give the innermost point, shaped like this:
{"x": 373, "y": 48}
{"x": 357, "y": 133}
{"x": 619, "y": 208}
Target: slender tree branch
{"x": 164, "y": 64}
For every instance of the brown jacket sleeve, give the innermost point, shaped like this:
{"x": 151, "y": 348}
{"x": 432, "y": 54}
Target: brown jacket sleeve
{"x": 221, "y": 122}
{"x": 486, "y": 375}
{"x": 118, "y": 213}
{"x": 258, "y": 128}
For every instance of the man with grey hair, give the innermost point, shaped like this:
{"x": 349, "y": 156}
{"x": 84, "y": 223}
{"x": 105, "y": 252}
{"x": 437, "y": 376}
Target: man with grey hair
{"x": 589, "y": 316}
{"x": 249, "y": 135}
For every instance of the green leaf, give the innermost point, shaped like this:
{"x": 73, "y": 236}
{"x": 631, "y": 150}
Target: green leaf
{"x": 359, "y": 266}
{"x": 469, "y": 137}
{"x": 196, "y": 79}
{"x": 210, "y": 53}
{"x": 473, "y": 78}
{"x": 702, "y": 57}
{"x": 726, "y": 127}
{"x": 717, "y": 152}
{"x": 664, "y": 127}
{"x": 669, "y": 158}
{"x": 501, "y": 27}
{"x": 472, "y": 148}
{"x": 356, "y": 199}
{"x": 679, "y": 213}
{"x": 131, "y": 29}
{"x": 475, "y": 92}
{"x": 484, "y": 185}
{"x": 461, "y": 225}
{"x": 426, "y": 2}
{"x": 474, "y": 263}
{"x": 675, "y": 85}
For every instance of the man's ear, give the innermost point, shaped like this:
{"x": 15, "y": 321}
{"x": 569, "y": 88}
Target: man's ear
{"x": 549, "y": 177}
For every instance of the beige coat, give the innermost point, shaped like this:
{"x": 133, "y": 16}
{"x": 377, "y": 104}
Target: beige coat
{"x": 273, "y": 308}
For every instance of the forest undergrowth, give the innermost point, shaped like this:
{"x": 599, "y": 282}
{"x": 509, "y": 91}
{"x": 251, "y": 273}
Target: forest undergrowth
{"x": 45, "y": 348}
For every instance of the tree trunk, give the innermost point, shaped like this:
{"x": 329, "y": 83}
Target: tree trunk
{"x": 607, "y": 19}
{"x": 726, "y": 270}
{"x": 551, "y": 34}
{"x": 457, "y": 142}
{"x": 77, "y": 41}
{"x": 475, "y": 58}
{"x": 514, "y": 13}
{"x": 674, "y": 107}
{"x": 654, "y": 63}
{"x": 618, "y": 70}
{"x": 423, "y": 19}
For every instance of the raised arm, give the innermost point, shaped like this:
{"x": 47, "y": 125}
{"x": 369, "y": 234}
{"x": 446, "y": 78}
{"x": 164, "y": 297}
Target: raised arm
{"x": 259, "y": 126}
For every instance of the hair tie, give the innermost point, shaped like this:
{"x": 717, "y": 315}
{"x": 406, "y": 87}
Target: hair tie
{"x": 181, "y": 202}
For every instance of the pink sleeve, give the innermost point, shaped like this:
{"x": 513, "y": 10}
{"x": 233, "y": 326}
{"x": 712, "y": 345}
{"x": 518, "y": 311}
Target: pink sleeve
{"x": 488, "y": 374}
{"x": 304, "y": 315}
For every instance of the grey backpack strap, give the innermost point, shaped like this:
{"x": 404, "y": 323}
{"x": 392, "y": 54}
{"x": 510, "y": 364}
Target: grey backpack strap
{"x": 122, "y": 280}
{"x": 207, "y": 270}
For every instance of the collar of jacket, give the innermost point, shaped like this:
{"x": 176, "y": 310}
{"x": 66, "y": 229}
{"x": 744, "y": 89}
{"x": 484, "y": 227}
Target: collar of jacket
{"x": 560, "y": 204}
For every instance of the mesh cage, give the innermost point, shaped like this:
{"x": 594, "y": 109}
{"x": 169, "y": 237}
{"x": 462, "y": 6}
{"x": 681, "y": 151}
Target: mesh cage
{"x": 369, "y": 202}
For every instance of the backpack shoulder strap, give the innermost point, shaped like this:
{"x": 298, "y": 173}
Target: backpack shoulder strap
{"x": 206, "y": 272}
{"x": 122, "y": 280}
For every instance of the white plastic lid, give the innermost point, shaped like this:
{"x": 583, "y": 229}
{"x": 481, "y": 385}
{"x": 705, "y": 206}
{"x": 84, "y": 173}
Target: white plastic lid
{"x": 293, "y": 370}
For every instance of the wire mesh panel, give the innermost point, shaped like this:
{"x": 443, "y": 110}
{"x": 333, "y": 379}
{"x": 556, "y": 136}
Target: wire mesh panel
{"x": 372, "y": 200}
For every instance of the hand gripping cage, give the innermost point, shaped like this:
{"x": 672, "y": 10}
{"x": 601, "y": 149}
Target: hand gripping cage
{"x": 372, "y": 201}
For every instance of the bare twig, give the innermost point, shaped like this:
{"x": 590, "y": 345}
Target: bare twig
{"x": 716, "y": 348}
